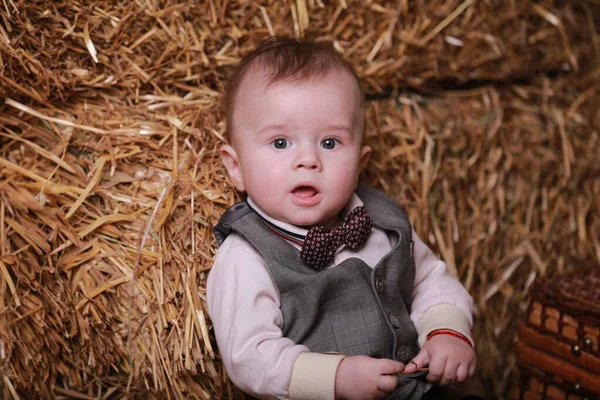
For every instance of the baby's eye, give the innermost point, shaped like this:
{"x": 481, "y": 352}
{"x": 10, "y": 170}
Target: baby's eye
{"x": 280, "y": 143}
{"x": 330, "y": 143}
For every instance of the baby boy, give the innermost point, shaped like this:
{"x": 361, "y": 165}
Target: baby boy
{"x": 320, "y": 288}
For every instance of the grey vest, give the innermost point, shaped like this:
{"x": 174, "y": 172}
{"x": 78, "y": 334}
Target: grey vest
{"x": 349, "y": 308}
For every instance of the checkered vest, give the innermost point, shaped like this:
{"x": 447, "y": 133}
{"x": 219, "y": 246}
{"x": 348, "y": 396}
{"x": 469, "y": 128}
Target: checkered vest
{"x": 349, "y": 308}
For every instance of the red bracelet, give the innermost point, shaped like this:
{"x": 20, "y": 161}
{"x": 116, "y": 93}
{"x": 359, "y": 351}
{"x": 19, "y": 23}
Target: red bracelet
{"x": 451, "y": 333}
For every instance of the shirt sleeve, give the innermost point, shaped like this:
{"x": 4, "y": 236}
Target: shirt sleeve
{"x": 439, "y": 299}
{"x": 243, "y": 304}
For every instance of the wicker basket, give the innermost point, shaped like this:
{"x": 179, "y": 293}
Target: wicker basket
{"x": 557, "y": 349}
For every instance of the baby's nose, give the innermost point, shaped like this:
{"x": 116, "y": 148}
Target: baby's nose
{"x": 308, "y": 159}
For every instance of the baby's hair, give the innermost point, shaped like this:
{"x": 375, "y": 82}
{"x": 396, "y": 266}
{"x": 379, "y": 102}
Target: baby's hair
{"x": 286, "y": 60}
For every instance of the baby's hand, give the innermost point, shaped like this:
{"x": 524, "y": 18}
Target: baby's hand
{"x": 450, "y": 360}
{"x": 362, "y": 377}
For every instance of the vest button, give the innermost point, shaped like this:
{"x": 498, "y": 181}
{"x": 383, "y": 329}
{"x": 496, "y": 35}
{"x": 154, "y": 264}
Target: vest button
{"x": 379, "y": 285}
{"x": 395, "y": 321}
{"x": 402, "y": 354}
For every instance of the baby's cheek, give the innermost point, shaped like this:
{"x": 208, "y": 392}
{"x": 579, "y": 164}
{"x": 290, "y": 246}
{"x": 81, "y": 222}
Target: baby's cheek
{"x": 346, "y": 179}
{"x": 268, "y": 180}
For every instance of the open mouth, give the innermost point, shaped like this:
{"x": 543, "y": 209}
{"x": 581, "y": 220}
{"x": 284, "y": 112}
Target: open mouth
{"x": 306, "y": 195}
{"x": 305, "y": 191}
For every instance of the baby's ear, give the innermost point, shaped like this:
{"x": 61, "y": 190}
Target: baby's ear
{"x": 231, "y": 160}
{"x": 365, "y": 153}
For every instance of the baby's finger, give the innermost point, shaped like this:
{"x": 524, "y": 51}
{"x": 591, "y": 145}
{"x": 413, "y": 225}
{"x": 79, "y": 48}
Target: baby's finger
{"x": 472, "y": 369}
{"x": 462, "y": 373}
{"x": 389, "y": 367}
{"x": 437, "y": 367}
{"x": 387, "y": 383}
{"x": 449, "y": 373}
{"x": 421, "y": 360}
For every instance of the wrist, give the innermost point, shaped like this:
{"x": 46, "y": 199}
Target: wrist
{"x": 338, "y": 390}
{"x": 449, "y": 332}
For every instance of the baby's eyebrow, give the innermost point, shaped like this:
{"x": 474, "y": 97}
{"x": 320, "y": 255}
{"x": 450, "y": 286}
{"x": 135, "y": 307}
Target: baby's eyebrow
{"x": 336, "y": 127}
{"x": 282, "y": 126}
{"x": 273, "y": 127}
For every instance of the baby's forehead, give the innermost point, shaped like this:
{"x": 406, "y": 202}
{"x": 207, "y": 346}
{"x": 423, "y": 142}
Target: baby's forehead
{"x": 259, "y": 78}
{"x": 256, "y": 77}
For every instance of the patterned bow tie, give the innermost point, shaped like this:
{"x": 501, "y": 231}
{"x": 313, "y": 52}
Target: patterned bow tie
{"x": 320, "y": 244}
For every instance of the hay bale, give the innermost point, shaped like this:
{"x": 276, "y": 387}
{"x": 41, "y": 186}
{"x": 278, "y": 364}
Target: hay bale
{"x": 106, "y": 219}
{"x": 108, "y": 190}
{"x": 56, "y": 50}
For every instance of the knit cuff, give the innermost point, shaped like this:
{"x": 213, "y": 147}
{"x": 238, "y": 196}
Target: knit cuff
{"x": 444, "y": 316}
{"x": 313, "y": 376}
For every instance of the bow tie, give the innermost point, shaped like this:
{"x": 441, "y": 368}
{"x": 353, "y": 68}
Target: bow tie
{"x": 320, "y": 244}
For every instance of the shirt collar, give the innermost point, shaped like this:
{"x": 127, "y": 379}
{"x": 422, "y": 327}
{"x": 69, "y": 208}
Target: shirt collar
{"x": 298, "y": 231}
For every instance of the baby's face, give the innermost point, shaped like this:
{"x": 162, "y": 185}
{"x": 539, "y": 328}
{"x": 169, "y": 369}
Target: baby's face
{"x": 297, "y": 147}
